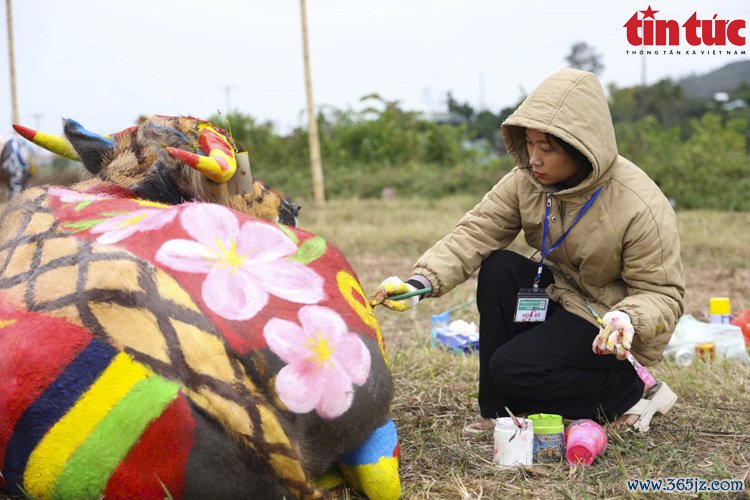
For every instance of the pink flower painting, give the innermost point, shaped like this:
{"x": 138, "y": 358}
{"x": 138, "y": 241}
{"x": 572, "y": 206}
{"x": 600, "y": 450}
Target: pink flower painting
{"x": 68, "y": 196}
{"x": 121, "y": 226}
{"x": 324, "y": 359}
{"x": 243, "y": 264}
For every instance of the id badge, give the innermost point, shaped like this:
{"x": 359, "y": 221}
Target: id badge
{"x": 531, "y": 306}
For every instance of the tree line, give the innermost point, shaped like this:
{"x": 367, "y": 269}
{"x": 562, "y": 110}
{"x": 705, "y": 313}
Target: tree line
{"x": 696, "y": 150}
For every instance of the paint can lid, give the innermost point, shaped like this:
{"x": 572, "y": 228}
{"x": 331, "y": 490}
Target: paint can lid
{"x": 720, "y": 305}
{"x": 547, "y": 423}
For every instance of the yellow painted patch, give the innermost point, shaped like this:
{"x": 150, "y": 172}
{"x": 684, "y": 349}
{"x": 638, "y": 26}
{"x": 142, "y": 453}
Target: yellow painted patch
{"x": 20, "y": 261}
{"x": 58, "y": 247}
{"x": 147, "y": 203}
{"x": 113, "y": 275}
{"x": 11, "y": 225}
{"x": 228, "y": 257}
{"x": 272, "y": 430}
{"x": 379, "y": 481}
{"x": 48, "y": 459}
{"x": 6, "y": 322}
{"x": 229, "y": 413}
{"x": 204, "y": 353}
{"x": 320, "y": 349}
{"x": 331, "y": 479}
{"x": 168, "y": 288}
{"x": 39, "y": 223}
{"x": 69, "y": 313}
{"x": 347, "y": 287}
{"x": 131, "y": 327}
{"x": 56, "y": 283}
{"x": 287, "y": 467}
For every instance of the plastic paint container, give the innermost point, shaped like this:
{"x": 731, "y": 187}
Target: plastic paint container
{"x": 706, "y": 351}
{"x": 513, "y": 445}
{"x": 584, "y": 441}
{"x": 549, "y": 437}
{"x": 721, "y": 310}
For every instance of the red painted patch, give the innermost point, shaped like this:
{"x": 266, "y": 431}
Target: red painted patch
{"x": 126, "y": 131}
{"x": 189, "y": 159}
{"x": 25, "y": 132}
{"x": 160, "y": 455}
{"x": 211, "y": 140}
{"x": 34, "y": 350}
{"x": 108, "y": 189}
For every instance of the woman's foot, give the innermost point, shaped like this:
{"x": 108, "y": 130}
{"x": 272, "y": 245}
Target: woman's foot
{"x": 658, "y": 399}
{"x": 480, "y": 425}
{"x": 624, "y": 421}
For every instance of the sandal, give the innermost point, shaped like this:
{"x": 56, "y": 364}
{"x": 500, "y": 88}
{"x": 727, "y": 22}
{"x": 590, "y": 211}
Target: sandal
{"x": 660, "y": 399}
{"x": 480, "y": 425}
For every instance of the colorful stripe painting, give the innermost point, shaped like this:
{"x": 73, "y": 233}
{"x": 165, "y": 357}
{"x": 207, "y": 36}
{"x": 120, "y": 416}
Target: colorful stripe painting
{"x": 94, "y": 419}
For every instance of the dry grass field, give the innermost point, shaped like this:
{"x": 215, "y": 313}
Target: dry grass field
{"x": 706, "y": 436}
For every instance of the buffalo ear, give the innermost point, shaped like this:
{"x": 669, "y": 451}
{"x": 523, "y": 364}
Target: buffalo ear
{"x": 91, "y": 147}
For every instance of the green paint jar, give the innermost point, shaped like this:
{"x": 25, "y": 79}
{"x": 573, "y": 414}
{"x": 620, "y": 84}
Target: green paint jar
{"x": 549, "y": 437}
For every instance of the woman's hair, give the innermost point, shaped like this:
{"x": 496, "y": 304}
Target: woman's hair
{"x": 578, "y": 157}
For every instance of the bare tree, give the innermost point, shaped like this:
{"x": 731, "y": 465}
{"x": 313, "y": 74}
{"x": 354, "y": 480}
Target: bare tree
{"x": 583, "y": 56}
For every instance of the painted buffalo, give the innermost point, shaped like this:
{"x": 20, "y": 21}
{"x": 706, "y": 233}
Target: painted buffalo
{"x": 151, "y": 342}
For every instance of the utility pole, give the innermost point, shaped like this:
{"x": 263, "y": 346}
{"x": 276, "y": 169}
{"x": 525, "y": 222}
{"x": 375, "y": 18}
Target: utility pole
{"x": 12, "y": 61}
{"x": 481, "y": 92}
{"x": 312, "y": 124}
{"x": 228, "y": 92}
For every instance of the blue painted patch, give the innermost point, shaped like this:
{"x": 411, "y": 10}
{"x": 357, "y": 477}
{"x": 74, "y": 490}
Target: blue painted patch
{"x": 381, "y": 443}
{"x": 86, "y": 133}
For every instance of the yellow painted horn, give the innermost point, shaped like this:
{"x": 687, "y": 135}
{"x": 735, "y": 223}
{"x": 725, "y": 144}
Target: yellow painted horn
{"x": 58, "y": 145}
{"x": 220, "y": 164}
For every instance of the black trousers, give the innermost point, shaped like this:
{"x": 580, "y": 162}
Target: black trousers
{"x": 546, "y": 367}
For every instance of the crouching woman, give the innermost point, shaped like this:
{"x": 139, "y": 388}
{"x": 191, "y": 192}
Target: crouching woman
{"x": 607, "y": 245}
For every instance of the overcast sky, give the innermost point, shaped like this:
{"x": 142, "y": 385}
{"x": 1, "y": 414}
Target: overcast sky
{"x": 104, "y": 62}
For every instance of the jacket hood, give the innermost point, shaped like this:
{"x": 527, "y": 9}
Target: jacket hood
{"x": 570, "y": 105}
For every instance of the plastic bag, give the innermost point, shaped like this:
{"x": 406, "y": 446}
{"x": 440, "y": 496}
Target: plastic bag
{"x": 743, "y": 321}
{"x": 728, "y": 339}
{"x": 457, "y": 336}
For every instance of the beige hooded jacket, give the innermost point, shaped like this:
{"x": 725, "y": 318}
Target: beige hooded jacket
{"x": 624, "y": 254}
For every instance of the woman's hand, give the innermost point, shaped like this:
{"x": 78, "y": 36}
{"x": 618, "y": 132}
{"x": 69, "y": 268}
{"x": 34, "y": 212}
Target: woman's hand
{"x": 394, "y": 286}
{"x": 617, "y": 335}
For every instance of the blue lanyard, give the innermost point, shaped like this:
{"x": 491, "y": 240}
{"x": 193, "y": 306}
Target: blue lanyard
{"x": 546, "y": 252}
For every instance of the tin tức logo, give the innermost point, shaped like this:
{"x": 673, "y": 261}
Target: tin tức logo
{"x": 644, "y": 29}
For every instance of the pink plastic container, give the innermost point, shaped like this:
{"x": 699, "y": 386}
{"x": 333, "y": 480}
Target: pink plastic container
{"x": 584, "y": 441}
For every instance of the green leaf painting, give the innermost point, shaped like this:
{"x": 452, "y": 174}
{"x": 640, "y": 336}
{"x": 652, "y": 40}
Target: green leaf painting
{"x": 310, "y": 250}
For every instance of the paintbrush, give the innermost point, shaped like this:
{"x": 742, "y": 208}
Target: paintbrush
{"x": 377, "y": 300}
{"x": 515, "y": 420}
{"x": 406, "y": 295}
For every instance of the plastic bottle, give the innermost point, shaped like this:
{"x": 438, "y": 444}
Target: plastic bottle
{"x": 584, "y": 441}
{"x": 685, "y": 356}
{"x": 721, "y": 310}
{"x": 549, "y": 437}
{"x": 513, "y": 445}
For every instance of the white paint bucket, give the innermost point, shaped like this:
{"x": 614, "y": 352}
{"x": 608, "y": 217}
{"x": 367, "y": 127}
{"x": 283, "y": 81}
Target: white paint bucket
{"x": 513, "y": 445}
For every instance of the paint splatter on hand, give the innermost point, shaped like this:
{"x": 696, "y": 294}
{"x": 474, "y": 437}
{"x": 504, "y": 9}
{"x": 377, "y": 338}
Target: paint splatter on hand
{"x": 617, "y": 335}
{"x": 394, "y": 286}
